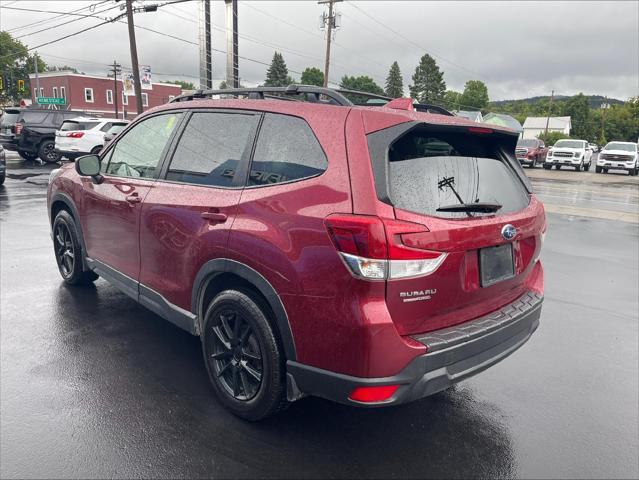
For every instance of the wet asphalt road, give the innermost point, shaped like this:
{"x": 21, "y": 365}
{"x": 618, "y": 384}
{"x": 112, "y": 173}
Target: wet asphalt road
{"x": 92, "y": 385}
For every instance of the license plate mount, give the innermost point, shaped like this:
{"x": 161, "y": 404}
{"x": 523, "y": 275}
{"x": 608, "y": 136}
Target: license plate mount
{"x": 496, "y": 264}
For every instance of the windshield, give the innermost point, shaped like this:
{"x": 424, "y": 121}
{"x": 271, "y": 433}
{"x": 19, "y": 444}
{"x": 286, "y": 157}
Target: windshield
{"x": 569, "y": 144}
{"x": 626, "y": 147}
{"x": 530, "y": 143}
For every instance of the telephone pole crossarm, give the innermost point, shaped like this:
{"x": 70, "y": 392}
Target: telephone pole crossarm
{"x": 329, "y": 21}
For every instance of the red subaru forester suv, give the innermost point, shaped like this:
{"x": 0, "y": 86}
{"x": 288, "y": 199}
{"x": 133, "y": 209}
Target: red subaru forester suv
{"x": 367, "y": 255}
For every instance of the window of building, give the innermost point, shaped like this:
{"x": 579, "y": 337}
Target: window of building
{"x": 211, "y": 147}
{"x": 125, "y": 99}
{"x": 88, "y": 95}
{"x": 137, "y": 154}
{"x": 35, "y": 93}
{"x": 286, "y": 150}
{"x": 109, "y": 97}
{"x": 63, "y": 92}
{"x": 145, "y": 99}
{"x": 41, "y": 92}
{"x": 55, "y": 92}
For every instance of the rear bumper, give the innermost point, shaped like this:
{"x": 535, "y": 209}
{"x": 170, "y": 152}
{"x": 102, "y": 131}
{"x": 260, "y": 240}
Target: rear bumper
{"x": 454, "y": 354}
{"x": 70, "y": 154}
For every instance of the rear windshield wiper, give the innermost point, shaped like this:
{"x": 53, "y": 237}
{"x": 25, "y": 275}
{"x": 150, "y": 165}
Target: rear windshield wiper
{"x": 471, "y": 207}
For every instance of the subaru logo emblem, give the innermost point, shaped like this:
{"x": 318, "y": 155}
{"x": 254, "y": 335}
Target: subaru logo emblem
{"x": 508, "y": 232}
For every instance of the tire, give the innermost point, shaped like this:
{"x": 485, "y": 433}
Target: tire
{"x": 243, "y": 358}
{"x": 2, "y": 177}
{"x": 605, "y": 170}
{"x": 27, "y": 155}
{"x": 96, "y": 150}
{"x": 68, "y": 251}
{"x": 547, "y": 167}
{"x": 47, "y": 152}
{"x": 598, "y": 169}
{"x": 579, "y": 167}
{"x": 587, "y": 167}
{"x": 558, "y": 167}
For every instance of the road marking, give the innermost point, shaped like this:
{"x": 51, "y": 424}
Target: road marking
{"x": 593, "y": 213}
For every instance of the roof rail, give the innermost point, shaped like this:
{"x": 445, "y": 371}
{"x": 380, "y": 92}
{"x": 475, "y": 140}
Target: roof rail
{"x": 427, "y": 108}
{"x": 309, "y": 93}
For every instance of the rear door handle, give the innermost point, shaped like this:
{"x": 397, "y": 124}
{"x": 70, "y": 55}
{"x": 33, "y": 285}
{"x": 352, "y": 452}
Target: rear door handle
{"x": 214, "y": 217}
{"x": 133, "y": 198}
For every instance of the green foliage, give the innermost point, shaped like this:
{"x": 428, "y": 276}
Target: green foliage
{"x": 16, "y": 64}
{"x": 475, "y": 95}
{"x": 183, "y": 85}
{"x": 362, "y": 84}
{"x": 552, "y": 137}
{"x": 428, "y": 81}
{"x": 452, "y": 100}
{"x": 621, "y": 122}
{"x": 394, "y": 82}
{"x": 578, "y": 110}
{"x": 63, "y": 68}
{"x": 312, "y": 76}
{"x": 277, "y": 73}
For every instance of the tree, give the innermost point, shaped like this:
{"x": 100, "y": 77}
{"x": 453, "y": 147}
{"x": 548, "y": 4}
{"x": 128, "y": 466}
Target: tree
{"x": 16, "y": 64}
{"x": 428, "y": 81}
{"x": 475, "y": 95}
{"x": 362, "y": 84}
{"x": 183, "y": 84}
{"x": 551, "y": 137}
{"x": 225, "y": 86}
{"x": 64, "y": 68}
{"x": 312, "y": 76}
{"x": 578, "y": 109}
{"x": 394, "y": 82}
{"x": 277, "y": 73}
{"x": 452, "y": 100}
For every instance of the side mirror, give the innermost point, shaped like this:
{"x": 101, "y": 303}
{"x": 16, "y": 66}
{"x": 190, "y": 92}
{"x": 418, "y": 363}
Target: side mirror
{"x": 89, "y": 166}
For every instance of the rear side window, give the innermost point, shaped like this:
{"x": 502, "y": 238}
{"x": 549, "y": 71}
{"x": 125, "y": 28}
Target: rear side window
{"x": 430, "y": 172}
{"x": 211, "y": 148}
{"x": 69, "y": 126}
{"x": 34, "y": 117}
{"x": 286, "y": 150}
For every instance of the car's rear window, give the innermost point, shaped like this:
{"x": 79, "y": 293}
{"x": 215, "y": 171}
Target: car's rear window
{"x": 71, "y": 125}
{"x": 430, "y": 171}
{"x": 34, "y": 116}
{"x": 9, "y": 117}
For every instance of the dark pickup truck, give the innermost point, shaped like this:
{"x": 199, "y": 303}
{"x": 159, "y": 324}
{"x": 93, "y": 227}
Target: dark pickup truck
{"x": 530, "y": 152}
{"x": 31, "y": 131}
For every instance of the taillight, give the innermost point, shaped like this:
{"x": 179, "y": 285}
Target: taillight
{"x": 18, "y": 128}
{"x": 482, "y": 130}
{"x": 75, "y": 134}
{"x": 373, "y": 394}
{"x": 373, "y": 249}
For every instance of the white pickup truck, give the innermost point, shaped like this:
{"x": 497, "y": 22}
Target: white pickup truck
{"x": 619, "y": 156}
{"x": 569, "y": 153}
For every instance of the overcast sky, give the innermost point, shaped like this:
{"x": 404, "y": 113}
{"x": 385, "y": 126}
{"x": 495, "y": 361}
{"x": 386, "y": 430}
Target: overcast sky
{"x": 519, "y": 49}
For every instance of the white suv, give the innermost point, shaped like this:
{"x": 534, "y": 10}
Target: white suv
{"x": 619, "y": 156}
{"x": 82, "y": 135}
{"x": 569, "y": 153}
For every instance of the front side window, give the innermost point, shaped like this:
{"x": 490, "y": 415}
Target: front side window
{"x": 286, "y": 150}
{"x": 88, "y": 95}
{"x": 138, "y": 153}
{"x": 211, "y": 148}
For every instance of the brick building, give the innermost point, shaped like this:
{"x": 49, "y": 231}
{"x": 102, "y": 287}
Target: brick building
{"x": 95, "y": 95}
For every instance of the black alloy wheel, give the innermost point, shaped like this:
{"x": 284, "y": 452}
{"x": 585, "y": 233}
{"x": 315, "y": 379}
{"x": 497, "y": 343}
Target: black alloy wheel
{"x": 235, "y": 356}
{"x": 64, "y": 250}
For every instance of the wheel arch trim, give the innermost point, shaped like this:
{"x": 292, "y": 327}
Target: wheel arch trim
{"x": 219, "y": 266}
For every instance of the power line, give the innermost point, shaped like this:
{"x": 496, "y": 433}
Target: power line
{"x": 38, "y": 22}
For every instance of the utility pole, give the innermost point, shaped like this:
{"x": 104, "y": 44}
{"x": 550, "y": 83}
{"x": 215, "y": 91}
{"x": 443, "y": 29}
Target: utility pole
{"x": 116, "y": 71}
{"x": 37, "y": 78}
{"x": 552, "y": 95}
{"x": 206, "y": 73}
{"x": 134, "y": 56}
{"x": 604, "y": 106}
{"x": 329, "y": 22}
{"x": 232, "y": 64}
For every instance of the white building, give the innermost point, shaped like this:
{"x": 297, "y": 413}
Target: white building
{"x": 533, "y": 126}
{"x": 470, "y": 115}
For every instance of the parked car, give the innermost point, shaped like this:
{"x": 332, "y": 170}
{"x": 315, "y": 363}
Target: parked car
{"x": 595, "y": 148}
{"x": 81, "y": 135}
{"x": 3, "y": 165}
{"x": 316, "y": 249}
{"x": 31, "y": 132}
{"x": 569, "y": 153}
{"x": 618, "y": 156}
{"x": 113, "y": 132}
{"x": 530, "y": 151}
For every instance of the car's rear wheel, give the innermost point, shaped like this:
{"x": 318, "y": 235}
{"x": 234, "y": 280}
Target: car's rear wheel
{"x": 598, "y": 169}
{"x": 578, "y": 167}
{"x": 27, "y": 155}
{"x": 68, "y": 251}
{"x": 587, "y": 167}
{"x": 47, "y": 152}
{"x": 243, "y": 358}
{"x": 96, "y": 150}
{"x": 558, "y": 167}
{"x": 2, "y": 177}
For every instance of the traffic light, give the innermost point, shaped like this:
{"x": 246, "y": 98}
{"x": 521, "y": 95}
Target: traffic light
{"x": 1, "y": 83}
{"x": 20, "y": 85}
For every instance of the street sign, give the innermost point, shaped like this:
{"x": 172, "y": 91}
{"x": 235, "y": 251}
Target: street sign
{"x": 50, "y": 101}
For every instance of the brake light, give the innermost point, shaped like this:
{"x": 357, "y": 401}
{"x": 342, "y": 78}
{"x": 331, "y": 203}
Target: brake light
{"x": 480, "y": 130}
{"x": 373, "y": 247}
{"x": 18, "y": 128}
{"x": 373, "y": 394}
{"x": 75, "y": 134}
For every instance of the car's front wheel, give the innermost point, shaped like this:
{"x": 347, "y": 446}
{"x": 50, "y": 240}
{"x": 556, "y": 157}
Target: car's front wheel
{"x": 547, "y": 166}
{"x": 68, "y": 251}
{"x": 27, "y": 155}
{"x": 598, "y": 169}
{"x": 243, "y": 358}
{"x": 47, "y": 152}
